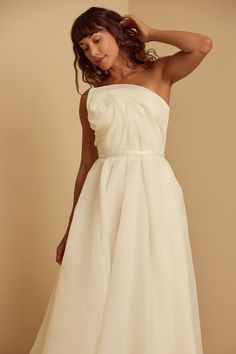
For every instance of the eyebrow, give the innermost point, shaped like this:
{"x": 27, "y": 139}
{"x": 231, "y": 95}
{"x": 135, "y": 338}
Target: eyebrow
{"x": 88, "y": 36}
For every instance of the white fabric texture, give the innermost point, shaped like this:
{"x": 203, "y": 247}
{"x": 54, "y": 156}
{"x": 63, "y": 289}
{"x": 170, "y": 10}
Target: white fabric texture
{"x": 127, "y": 283}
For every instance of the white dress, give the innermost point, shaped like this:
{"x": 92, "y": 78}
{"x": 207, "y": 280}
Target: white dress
{"x": 127, "y": 283}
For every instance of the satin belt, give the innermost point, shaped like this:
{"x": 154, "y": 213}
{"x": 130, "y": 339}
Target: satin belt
{"x": 131, "y": 152}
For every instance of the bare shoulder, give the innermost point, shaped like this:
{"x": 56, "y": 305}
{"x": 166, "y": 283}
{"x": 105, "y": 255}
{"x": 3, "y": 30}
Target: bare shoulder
{"x": 83, "y": 106}
{"x": 84, "y": 96}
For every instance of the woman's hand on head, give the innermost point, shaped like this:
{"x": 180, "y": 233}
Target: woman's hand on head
{"x": 143, "y": 30}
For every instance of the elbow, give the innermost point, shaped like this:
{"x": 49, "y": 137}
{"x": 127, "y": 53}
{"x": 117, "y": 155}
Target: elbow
{"x": 206, "y": 45}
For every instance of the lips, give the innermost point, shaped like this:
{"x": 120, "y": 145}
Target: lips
{"x": 99, "y": 60}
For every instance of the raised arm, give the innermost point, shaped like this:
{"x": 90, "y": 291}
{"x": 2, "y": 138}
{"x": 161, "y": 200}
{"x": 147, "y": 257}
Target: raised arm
{"x": 193, "y": 49}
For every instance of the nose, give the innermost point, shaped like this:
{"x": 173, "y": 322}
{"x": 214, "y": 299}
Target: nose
{"x": 94, "y": 52}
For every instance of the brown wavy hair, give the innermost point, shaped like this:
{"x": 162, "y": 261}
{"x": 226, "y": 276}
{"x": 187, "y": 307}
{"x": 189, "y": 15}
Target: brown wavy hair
{"x": 131, "y": 48}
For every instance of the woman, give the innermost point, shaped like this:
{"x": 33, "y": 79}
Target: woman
{"x": 126, "y": 283}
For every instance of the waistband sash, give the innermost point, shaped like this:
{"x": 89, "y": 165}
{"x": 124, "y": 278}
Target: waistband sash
{"x": 131, "y": 152}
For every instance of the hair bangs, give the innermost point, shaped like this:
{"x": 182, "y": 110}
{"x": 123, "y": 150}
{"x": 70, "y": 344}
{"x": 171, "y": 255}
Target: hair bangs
{"x": 84, "y": 28}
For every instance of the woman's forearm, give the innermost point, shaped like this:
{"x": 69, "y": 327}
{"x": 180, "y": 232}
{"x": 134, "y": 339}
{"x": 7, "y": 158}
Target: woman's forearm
{"x": 81, "y": 176}
{"x": 186, "y": 41}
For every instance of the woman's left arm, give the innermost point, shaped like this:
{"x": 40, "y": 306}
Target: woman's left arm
{"x": 193, "y": 49}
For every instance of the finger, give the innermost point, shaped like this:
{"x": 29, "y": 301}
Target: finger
{"x": 132, "y": 17}
{"x": 127, "y": 22}
{"x": 125, "y": 19}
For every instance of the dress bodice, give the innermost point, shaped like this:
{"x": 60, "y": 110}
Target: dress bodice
{"x": 127, "y": 117}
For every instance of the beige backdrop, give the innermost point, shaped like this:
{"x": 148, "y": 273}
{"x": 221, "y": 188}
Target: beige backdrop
{"x": 41, "y": 149}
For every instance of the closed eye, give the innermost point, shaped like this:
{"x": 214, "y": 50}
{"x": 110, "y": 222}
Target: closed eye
{"x": 85, "y": 49}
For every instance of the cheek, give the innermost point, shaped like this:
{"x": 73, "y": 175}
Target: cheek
{"x": 86, "y": 54}
{"x": 112, "y": 48}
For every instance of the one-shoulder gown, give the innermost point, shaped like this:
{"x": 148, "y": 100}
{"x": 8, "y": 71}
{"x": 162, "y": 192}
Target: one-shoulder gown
{"x": 127, "y": 283}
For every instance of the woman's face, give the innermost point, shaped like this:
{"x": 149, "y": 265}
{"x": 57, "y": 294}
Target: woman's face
{"x": 100, "y": 48}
